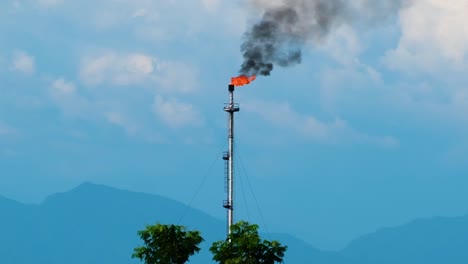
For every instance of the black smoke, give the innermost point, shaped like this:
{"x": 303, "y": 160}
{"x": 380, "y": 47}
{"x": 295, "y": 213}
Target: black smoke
{"x": 278, "y": 38}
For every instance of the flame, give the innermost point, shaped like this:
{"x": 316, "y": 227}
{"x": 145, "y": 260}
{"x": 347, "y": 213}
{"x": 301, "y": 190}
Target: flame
{"x": 242, "y": 80}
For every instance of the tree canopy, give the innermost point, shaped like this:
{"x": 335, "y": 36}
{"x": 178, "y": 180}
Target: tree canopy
{"x": 244, "y": 245}
{"x": 167, "y": 244}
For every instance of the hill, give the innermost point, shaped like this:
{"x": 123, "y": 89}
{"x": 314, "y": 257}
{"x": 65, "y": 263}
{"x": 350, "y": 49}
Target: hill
{"x": 95, "y": 224}
{"x": 428, "y": 241}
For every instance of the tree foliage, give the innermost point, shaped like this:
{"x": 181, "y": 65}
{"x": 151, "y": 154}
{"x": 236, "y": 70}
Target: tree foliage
{"x": 245, "y": 246}
{"x": 167, "y": 244}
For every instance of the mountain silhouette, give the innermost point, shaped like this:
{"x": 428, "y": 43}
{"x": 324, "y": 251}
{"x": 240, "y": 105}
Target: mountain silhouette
{"x": 434, "y": 240}
{"x": 89, "y": 224}
{"x": 95, "y": 224}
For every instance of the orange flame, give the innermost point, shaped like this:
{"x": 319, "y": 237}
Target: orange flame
{"x": 242, "y": 80}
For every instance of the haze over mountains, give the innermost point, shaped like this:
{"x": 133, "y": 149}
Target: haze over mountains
{"x": 97, "y": 224}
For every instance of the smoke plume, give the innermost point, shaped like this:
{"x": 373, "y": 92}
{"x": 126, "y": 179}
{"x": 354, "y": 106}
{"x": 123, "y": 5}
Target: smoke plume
{"x": 286, "y": 25}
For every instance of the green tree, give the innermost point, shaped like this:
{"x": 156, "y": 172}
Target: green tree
{"x": 245, "y": 246}
{"x": 167, "y": 244}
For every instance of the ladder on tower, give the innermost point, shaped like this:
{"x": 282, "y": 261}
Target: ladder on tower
{"x": 226, "y": 203}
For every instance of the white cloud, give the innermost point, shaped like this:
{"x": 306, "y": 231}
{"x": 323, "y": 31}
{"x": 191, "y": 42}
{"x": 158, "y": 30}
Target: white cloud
{"x": 117, "y": 69}
{"x": 121, "y": 121}
{"x": 186, "y": 22}
{"x": 134, "y": 128}
{"x": 98, "y": 107}
{"x": 139, "y": 63}
{"x": 177, "y": 114}
{"x": 23, "y": 62}
{"x": 124, "y": 109}
{"x": 434, "y": 36}
{"x": 263, "y": 4}
{"x": 176, "y": 76}
{"x": 434, "y": 104}
{"x": 343, "y": 45}
{"x": 347, "y": 84}
{"x": 351, "y": 89}
{"x": 211, "y": 5}
{"x": 63, "y": 86}
{"x": 138, "y": 69}
{"x": 63, "y": 93}
{"x": 336, "y": 131}
{"x": 142, "y": 12}
{"x": 50, "y": 3}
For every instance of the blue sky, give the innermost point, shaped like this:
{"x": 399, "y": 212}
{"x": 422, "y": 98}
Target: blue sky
{"x": 368, "y": 131}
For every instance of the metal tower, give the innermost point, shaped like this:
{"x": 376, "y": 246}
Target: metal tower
{"x": 228, "y": 157}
